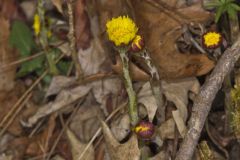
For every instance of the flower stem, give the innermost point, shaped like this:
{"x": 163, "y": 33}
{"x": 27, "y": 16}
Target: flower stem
{"x": 43, "y": 38}
{"x": 133, "y": 112}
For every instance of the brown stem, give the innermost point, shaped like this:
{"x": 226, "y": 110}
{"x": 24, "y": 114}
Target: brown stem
{"x": 202, "y": 104}
{"x": 72, "y": 40}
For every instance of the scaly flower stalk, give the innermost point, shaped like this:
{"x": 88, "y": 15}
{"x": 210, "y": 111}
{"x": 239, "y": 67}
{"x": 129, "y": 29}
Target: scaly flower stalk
{"x": 129, "y": 87}
{"x": 121, "y": 31}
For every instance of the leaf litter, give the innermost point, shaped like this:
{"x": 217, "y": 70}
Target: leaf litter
{"x": 99, "y": 98}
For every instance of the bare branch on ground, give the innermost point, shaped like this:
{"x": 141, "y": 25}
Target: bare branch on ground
{"x": 202, "y": 104}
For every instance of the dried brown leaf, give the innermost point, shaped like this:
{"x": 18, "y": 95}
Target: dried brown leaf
{"x": 146, "y": 97}
{"x": 85, "y": 123}
{"x": 167, "y": 129}
{"x": 161, "y": 32}
{"x": 121, "y": 127}
{"x": 77, "y": 147}
{"x": 59, "y": 83}
{"x": 65, "y": 97}
{"x": 135, "y": 71}
{"x": 58, "y": 5}
{"x": 177, "y": 92}
{"x": 82, "y": 25}
{"x": 40, "y": 144}
{"x": 117, "y": 151}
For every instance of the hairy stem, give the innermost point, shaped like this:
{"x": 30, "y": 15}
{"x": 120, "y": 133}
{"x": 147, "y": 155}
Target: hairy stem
{"x": 133, "y": 112}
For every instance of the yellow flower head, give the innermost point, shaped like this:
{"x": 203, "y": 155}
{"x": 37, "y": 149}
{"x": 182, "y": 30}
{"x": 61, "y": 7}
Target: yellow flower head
{"x": 212, "y": 39}
{"x": 36, "y": 24}
{"x": 121, "y": 30}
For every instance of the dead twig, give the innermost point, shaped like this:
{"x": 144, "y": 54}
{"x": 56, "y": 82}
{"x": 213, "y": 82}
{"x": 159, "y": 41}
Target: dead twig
{"x": 72, "y": 40}
{"x": 202, "y": 104}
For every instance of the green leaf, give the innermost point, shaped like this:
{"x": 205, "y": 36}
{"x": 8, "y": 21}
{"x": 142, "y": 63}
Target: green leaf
{"x": 212, "y": 4}
{"x": 223, "y": 1}
{"x": 31, "y": 66}
{"x": 232, "y": 13}
{"x": 235, "y": 6}
{"x": 63, "y": 66}
{"x": 21, "y": 38}
{"x": 47, "y": 79}
{"x": 220, "y": 11}
{"x": 51, "y": 55}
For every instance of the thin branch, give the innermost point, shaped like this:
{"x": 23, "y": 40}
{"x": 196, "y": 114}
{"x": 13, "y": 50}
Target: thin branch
{"x": 72, "y": 40}
{"x": 202, "y": 104}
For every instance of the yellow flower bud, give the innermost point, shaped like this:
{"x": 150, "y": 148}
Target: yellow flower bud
{"x": 36, "y": 24}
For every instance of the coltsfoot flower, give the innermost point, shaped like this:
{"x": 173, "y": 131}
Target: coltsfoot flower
{"x": 144, "y": 130}
{"x": 137, "y": 44}
{"x": 121, "y": 30}
{"x": 36, "y": 24}
{"x": 211, "y": 40}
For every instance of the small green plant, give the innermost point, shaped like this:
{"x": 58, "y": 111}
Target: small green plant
{"x": 235, "y": 106}
{"x": 224, "y": 6}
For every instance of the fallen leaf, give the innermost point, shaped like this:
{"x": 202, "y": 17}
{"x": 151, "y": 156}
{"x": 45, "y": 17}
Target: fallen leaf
{"x": 177, "y": 92}
{"x": 57, "y": 157}
{"x": 92, "y": 59}
{"x": 18, "y": 147}
{"x": 136, "y": 73}
{"x": 105, "y": 89}
{"x": 41, "y": 143}
{"x": 64, "y": 98}
{"x": 146, "y": 97}
{"x": 59, "y": 83}
{"x": 86, "y": 121}
{"x": 121, "y": 127}
{"x": 167, "y": 129}
{"x": 163, "y": 155}
{"x": 58, "y": 5}
{"x": 28, "y": 8}
{"x": 77, "y": 148}
{"x": 6, "y": 157}
{"x": 161, "y": 32}
{"x": 82, "y": 25}
{"x": 182, "y": 129}
{"x": 4, "y": 140}
{"x": 126, "y": 151}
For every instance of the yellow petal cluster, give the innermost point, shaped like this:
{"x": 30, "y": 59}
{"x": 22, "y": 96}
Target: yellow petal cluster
{"x": 212, "y": 39}
{"x": 121, "y": 30}
{"x": 142, "y": 128}
{"x": 36, "y": 24}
